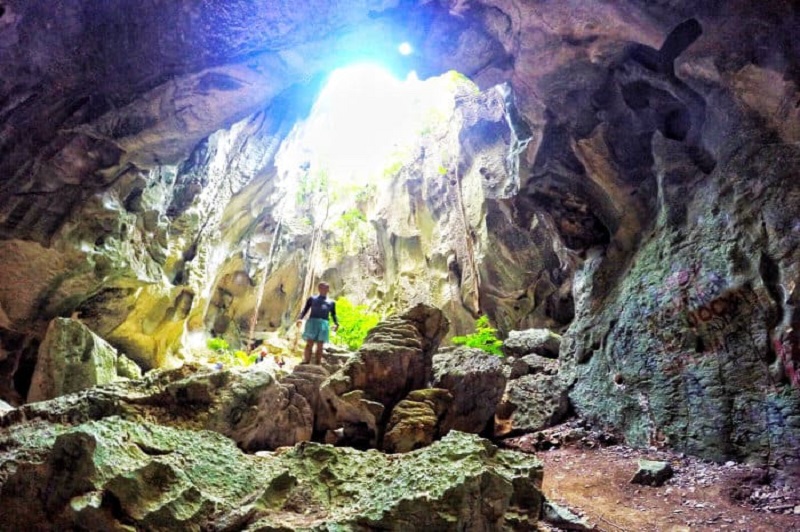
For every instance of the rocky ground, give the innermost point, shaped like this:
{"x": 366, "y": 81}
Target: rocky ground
{"x": 587, "y": 474}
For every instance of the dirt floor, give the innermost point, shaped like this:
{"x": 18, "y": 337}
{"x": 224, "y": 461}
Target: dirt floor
{"x": 595, "y": 484}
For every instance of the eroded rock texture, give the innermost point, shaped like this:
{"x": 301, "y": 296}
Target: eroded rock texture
{"x": 113, "y": 474}
{"x": 673, "y": 185}
{"x": 250, "y": 407}
{"x": 476, "y": 381}
{"x": 72, "y": 358}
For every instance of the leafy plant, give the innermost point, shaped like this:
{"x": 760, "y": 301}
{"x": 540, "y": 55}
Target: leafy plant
{"x": 351, "y": 233}
{"x": 366, "y": 193}
{"x": 312, "y": 185}
{"x": 484, "y": 337}
{"x": 217, "y": 344}
{"x": 224, "y": 354}
{"x": 243, "y": 358}
{"x": 393, "y": 168}
{"x": 355, "y": 321}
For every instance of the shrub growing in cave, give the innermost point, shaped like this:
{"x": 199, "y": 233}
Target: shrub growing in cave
{"x": 223, "y": 354}
{"x": 484, "y": 337}
{"x": 352, "y": 232}
{"x": 355, "y": 321}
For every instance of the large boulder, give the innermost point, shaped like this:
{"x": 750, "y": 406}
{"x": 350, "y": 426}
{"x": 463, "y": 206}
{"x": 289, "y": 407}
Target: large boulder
{"x": 307, "y": 380}
{"x": 476, "y": 381}
{"x": 530, "y": 364}
{"x": 415, "y": 421}
{"x": 114, "y": 474}
{"x": 72, "y": 358}
{"x": 395, "y": 359}
{"x": 250, "y": 407}
{"x": 532, "y": 402}
{"x": 542, "y": 342}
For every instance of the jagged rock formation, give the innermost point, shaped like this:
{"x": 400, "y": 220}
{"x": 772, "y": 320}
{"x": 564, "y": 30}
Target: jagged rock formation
{"x": 111, "y": 474}
{"x": 416, "y": 421}
{"x": 476, "y": 381}
{"x": 72, "y": 358}
{"x": 395, "y": 359}
{"x": 249, "y": 407}
{"x": 532, "y": 341}
{"x": 536, "y": 395}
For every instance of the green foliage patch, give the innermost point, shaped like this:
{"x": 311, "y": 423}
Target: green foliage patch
{"x": 351, "y": 233}
{"x": 355, "y": 321}
{"x": 484, "y": 337}
{"x": 223, "y": 353}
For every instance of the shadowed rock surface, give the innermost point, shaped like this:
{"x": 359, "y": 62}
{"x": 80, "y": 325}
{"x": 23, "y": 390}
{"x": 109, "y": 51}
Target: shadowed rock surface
{"x": 416, "y": 421}
{"x": 532, "y": 342}
{"x": 109, "y": 474}
{"x": 72, "y": 358}
{"x": 396, "y": 358}
{"x": 476, "y": 381}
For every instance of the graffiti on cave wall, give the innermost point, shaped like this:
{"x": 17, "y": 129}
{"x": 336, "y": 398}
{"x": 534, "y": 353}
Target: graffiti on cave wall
{"x": 787, "y": 348}
{"x": 697, "y": 304}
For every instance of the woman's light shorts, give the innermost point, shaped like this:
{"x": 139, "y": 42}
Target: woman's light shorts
{"x": 317, "y": 330}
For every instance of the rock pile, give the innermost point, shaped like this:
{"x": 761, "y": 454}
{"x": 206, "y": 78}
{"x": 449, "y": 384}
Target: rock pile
{"x": 536, "y": 394}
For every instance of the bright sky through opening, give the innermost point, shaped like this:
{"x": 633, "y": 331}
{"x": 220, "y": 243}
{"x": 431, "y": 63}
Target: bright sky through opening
{"x": 363, "y": 121}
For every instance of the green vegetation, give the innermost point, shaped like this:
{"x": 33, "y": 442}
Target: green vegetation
{"x": 456, "y": 79}
{"x": 366, "y": 193}
{"x": 355, "y": 321}
{"x": 393, "y": 168}
{"x": 484, "y": 337}
{"x": 223, "y": 354}
{"x": 313, "y": 186}
{"x": 217, "y": 344}
{"x": 352, "y": 233}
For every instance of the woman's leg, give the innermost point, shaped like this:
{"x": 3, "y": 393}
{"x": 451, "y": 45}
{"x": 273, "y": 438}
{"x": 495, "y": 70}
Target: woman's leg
{"x": 307, "y": 352}
{"x": 318, "y": 354}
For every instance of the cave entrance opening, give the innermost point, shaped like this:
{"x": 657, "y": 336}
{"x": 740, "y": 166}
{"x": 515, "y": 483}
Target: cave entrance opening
{"x": 366, "y": 127}
{"x": 348, "y": 161}
{"x": 366, "y": 122}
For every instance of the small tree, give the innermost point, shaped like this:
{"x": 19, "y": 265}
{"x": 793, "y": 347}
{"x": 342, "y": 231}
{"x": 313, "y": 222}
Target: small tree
{"x": 484, "y": 337}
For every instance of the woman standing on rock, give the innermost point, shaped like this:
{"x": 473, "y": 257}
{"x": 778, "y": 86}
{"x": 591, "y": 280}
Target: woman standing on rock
{"x": 317, "y": 328}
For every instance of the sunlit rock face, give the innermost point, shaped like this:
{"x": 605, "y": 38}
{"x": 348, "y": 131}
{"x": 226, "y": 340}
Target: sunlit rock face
{"x": 72, "y": 358}
{"x": 653, "y": 206}
{"x": 112, "y": 180}
{"x": 430, "y": 219}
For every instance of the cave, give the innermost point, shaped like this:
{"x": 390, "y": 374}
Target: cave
{"x": 547, "y": 227}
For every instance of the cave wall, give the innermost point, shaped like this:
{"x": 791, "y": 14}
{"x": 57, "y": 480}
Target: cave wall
{"x": 668, "y": 160}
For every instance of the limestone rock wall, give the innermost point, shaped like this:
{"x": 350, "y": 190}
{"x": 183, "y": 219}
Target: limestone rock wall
{"x": 117, "y": 160}
{"x": 72, "y": 358}
{"x": 673, "y": 187}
